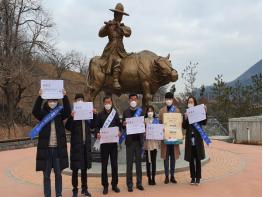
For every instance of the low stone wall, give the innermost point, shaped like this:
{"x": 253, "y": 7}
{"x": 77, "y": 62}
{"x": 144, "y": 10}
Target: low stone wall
{"x": 247, "y": 130}
{"x": 17, "y": 144}
{"x": 20, "y": 143}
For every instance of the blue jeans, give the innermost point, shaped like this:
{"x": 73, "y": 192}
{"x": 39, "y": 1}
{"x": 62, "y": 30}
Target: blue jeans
{"x": 52, "y": 162}
{"x": 169, "y": 156}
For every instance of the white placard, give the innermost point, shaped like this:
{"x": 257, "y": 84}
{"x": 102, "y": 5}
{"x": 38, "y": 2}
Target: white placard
{"x": 52, "y": 89}
{"x": 196, "y": 113}
{"x": 135, "y": 125}
{"x": 109, "y": 135}
{"x": 154, "y": 131}
{"x": 83, "y": 110}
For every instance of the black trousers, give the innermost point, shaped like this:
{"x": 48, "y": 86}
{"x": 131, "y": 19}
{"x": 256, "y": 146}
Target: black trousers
{"x": 195, "y": 164}
{"x": 133, "y": 150}
{"x": 74, "y": 178}
{"x": 106, "y": 151}
{"x": 151, "y": 166}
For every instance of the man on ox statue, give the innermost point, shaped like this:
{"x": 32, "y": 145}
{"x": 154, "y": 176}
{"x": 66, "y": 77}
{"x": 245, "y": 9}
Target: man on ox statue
{"x": 114, "y": 50}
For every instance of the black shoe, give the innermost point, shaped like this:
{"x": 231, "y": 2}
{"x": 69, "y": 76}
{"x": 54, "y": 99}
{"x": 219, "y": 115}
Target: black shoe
{"x": 166, "y": 181}
{"x": 149, "y": 181}
{"x": 197, "y": 182}
{"x": 105, "y": 190}
{"x": 116, "y": 189}
{"x": 85, "y": 193}
{"x": 140, "y": 187}
{"x": 192, "y": 182}
{"x": 75, "y": 192}
{"x": 173, "y": 180}
{"x": 130, "y": 189}
{"x": 153, "y": 182}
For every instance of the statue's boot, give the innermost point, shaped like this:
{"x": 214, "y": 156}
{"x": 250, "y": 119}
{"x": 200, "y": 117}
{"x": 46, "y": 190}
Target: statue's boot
{"x": 116, "y": 74}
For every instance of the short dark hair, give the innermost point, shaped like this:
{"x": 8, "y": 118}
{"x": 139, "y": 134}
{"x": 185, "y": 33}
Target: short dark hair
{"x": 169, "y": 95}
{"x": 131, "y": 95}
{"x": 195, "y": 101}
{"x": 79, "y": 95}
{"x": 107, "y": 97}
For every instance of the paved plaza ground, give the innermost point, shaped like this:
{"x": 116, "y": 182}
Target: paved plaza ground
{"x": 233, "y": 170}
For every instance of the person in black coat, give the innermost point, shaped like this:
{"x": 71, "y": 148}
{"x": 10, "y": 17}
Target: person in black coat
{"x": 194, "y": 145}
{"x": 134, "y": 146}
{"x": 80, "y": 148}
{"x": 108, "y": 150}
{"x": 52, "y": 142}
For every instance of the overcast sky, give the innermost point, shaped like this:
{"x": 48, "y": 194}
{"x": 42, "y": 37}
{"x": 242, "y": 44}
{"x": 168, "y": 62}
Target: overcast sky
{"x": 223, "y": 36}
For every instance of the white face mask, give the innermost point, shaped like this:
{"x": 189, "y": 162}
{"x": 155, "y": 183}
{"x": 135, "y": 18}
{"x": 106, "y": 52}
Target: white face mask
{"x": 80, "y": 101}
{"x": 169, "y": 102}
{"x": 107, "y": 106}
{"x": 190, "y": 105}
{"x": 150, "y": 114}
{"x": 52, "y": 104}
{"x": 133, "y": 104}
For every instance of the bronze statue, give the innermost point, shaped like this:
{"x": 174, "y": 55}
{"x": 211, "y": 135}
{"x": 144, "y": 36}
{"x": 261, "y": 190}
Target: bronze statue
{"x": 140, "y": 73}
{"x": 114, "y": 50}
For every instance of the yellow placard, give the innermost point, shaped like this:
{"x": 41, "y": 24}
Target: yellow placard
{"x": 173, "y": 126}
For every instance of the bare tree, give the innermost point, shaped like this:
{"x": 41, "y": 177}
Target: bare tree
{"x": 71, "y": 60}
{"x": 24, "y": 34}
{"x": 189, "y": 75}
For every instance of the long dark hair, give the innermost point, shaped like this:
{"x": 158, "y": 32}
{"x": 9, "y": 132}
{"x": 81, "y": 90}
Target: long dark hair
{"x": 195, "y": 101}
{"x": 147, "y": 109}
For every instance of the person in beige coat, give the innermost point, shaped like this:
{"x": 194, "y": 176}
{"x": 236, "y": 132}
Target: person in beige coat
{"x": 169, "y": 152}
{"x": 151, "y": 146}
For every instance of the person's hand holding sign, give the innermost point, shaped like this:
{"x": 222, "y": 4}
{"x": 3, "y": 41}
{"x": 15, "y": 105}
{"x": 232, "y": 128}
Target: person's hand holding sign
{"x": 98, "y": 136}
{"x": 124, "y": 123}
{"x": 205, "y": 108}
{"x": 73, "y": 113}
{"x": 185, "y": 116}
{"x": 94, "y": 111}
{"x": 64, "y": 92}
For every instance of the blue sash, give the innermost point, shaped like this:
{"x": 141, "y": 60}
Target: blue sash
{"x": 137, "y": 113}
{"x": 172, "y": 109}
{"x": 202, "y": 133}
{"x": 109, "y": 118}
{"x": 155, "y": 121}
{"x": 49, "y": 117}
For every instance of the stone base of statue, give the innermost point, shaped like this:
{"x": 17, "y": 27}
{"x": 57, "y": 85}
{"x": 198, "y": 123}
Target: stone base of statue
{"x": 95, "y": 171}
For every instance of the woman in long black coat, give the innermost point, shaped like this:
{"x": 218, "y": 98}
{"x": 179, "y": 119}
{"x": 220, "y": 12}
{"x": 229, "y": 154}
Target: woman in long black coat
{"x": 80, "y": 149}
{"x": 49, "y": 157}
{"x": 194, "y": 145}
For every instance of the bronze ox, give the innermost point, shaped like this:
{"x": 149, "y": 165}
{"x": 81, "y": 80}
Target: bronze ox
{"x": 141, "y": 73}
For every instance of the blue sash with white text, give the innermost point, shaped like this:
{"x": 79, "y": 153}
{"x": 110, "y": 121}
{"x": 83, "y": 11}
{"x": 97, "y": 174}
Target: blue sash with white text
{"x": 202, "y": 133}
{"x": 109, "y": 118}
{"x": 48, "y": 118}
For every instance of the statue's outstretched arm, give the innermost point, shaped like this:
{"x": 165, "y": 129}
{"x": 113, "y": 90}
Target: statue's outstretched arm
{"x": 103, "y": 31}
{"x": 126, "y": 31}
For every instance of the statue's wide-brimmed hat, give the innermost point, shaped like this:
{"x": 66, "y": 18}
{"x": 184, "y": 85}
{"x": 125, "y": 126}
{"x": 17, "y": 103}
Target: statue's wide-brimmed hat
{"x": 120, "y": 9}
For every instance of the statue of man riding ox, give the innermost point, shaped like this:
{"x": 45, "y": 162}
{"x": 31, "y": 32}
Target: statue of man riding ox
{"x": 141, "y": 73}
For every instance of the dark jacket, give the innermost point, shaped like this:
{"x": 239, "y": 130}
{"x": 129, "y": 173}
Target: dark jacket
{"x": 192, "y": 132}
{"x": 128, "y": 113}
{"x": 43, "y": 141}
{"x": 102, "y": 116}
{"x": 77, "y": 159}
